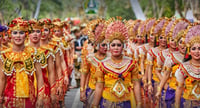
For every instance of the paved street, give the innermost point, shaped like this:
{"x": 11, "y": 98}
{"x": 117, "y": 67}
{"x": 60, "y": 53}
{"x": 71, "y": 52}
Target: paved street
{"x": 72, "y": 99}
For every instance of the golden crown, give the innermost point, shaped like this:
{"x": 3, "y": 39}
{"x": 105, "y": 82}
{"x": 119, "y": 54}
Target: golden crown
{"x": 149, "y": 25}
{"x": 192, "y": 35}
{"x": 34, "y": 24}
{"x": 46, "y": 22}
{"x": 177, "y": 26}
{"x": 18, "y": 24}
{"x": 156, "y": 30}
{"x": 133, "y": 29}
{"x": 116, "y": 30}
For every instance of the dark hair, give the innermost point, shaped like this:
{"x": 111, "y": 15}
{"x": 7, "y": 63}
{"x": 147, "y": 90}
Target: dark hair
{"x": 95, "y": 28}
{"x": 146, "y": 38}
{"x": 95, "y": 50}
{"x": 186, "y": 58}
{"x": 155, "y": 43}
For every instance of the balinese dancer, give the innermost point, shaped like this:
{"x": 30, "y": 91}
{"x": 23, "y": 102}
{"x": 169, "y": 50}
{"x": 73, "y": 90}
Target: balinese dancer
{"x": 46, "y": 61}
{"x": 90, "y": 62}
{"x": 5, "y": 39}
{"x": 132, "y": 32}
{"x": 188, "y": 74}
{"x": 139, "y": 53}
{"x": 69, "y": 56}
{"x": 117, "y": 83}
{"x": 153, "y": 79}
{"x": 151, "y": 43}
{"x": 169, "y": 61}
{"x": 18, "y": 66}
{"x": 59, "y": 39}
{"x": 2, "y": 28}
{"x": 44, "y": 42}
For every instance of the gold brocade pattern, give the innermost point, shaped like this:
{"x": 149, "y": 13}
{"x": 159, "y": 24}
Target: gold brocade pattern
{"x": 154, "y": 53}
{"x": 22, "y": 63}
{"x": 172, "y": 80}
{"x": 89, "y": 66}
{"x": 192, "y": 82}
{"x": 117, "y": 86}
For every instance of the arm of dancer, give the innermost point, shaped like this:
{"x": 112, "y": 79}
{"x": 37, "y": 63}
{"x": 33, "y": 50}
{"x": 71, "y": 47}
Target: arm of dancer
{"x": 2, "y": 84}
{"x": 84, "y": 75}
{"x": 52, "y": 78}
{"x": 59, "y": 75}
{"x": 99, "y": 87}
{"x": 179, "y": 90}
{"x": 159, "y": 67}
{"x": 136, "y": 83}
{"x": 167, "y": 70}
{"x": 40, "y": 85}
{"x": 150, "y": 68}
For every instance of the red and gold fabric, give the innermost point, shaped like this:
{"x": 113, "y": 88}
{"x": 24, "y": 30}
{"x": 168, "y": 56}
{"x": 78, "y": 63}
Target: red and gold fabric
{"x": 90, "y": 63}
{"x": 117, "y": 86}
{"x": 19, "y": 69}
{"x": 192, "y": 81}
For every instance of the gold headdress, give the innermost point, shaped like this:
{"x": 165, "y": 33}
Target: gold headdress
{"x": 133, "y": 29}
{"x": 192, "y": 35}
{"x": 177, "y": 26}
{"x": 116, "y": 30}
{"x": 46, "y": 22}
{"x": 57, "y": 24}
{"x": 141, "y": 29}
{"x": 166, "y": 28}
{"x": 157, "y": 27}
{"x": 96, "y": 30}
{"x": 34, "y": 24}
{"x": 149, "y": 24}
{"x": 18, "y": 24}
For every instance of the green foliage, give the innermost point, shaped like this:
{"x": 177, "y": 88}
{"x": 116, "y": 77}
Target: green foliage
{"x": 70, "y": 8}
{"x": 119, "y": 8}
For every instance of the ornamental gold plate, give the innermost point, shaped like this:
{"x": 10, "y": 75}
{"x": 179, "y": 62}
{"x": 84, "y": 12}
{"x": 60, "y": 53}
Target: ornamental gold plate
{"x": 119, "y": 89}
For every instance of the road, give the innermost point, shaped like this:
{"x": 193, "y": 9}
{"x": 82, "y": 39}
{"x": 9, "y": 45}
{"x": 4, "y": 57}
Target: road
{"x": 72, "y": 99}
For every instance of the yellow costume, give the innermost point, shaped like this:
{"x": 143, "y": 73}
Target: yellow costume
{"x": 19, "y": 69}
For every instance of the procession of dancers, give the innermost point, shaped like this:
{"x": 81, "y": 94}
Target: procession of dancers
{"x": 117, "y": 63}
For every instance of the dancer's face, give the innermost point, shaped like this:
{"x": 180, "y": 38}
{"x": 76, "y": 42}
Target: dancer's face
{"x": 18, "y": 37}
{"x": 57, "y": 32}
{"x": 162, "y": 41}
{"x": 181, "y": 46}
{"x": 152, "y": 38}
{"x": 172, "y": 43}
{"x": 5, "y": 38}
{"x": 45, "y": 33}
{"x": 195, "y": 51}
{"x": 139, "y": 39}
{"x": 103, "y": 47}
{"x": 35, "y": 35}
{"x": 116, "y": 48}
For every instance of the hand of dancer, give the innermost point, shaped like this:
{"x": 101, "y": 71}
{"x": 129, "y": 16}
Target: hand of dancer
{"x": 39, "y": 103}
{"x": 59, "y": 91}
{"x": 82, "y": 96}
{"x": 150, "y": 89}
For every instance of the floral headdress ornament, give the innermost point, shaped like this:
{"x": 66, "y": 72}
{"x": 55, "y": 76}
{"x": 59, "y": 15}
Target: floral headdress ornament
{"x": 156, "y": 29}
{"x": 18, "y": 24}
{"x": 116, "y": 30}
{"x": 46, "y": 22}
{"x": 177, "y": 26}
{"x": 192, "y": 35}
{"x": 133, "y": 28}
{"x": 149, "y": 24}
{"x": 57, "y": 24}
{"x": 96, "y": 31}
{"x": 34, "y": 24}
